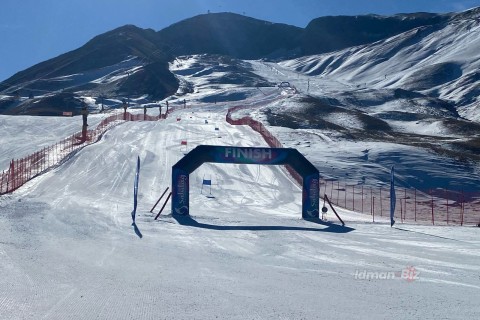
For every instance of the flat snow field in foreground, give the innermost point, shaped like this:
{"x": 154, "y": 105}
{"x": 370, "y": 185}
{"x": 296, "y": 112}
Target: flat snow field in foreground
{"x": 68, "y": 251}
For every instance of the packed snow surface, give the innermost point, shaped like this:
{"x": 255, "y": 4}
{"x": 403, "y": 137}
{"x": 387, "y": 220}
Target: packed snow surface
{"x": 68, "y": 250}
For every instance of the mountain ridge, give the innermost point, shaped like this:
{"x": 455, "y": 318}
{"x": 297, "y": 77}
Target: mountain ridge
{"x": 132, "y": 61}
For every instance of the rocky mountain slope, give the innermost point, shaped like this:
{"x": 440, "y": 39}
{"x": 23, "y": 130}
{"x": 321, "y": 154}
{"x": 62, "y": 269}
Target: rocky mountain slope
{"x": 131, "y": 62}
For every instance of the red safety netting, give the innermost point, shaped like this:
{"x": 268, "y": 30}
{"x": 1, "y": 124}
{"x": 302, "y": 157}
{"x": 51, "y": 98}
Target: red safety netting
{"x": 22, "y": 170}
{"x": 436, "y": 206}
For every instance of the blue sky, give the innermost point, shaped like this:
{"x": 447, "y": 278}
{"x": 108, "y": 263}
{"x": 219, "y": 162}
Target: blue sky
{"x": 32, "y": 31}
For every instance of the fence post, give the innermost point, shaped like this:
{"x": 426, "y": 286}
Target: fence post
{"x": 401, "y": 210}
{"x": 371, "y": 202}
{"x": 381, "y": 206}
{"x": 362, "y": 198}
{"x": 433, "y": 219}
{"x": 331, "y": 191}
{"x": 459, "y": 202}
{"x": 30, "y": 167}
{"x": 415, "y": 204}
{"x": 1, "y": 184}
{"x": 14, "y": 174}
{"x": 25, "y": 170}
{"x": 17, "y": 173}
{"x": 22, "y": 172}
{"x": 405, "y": 200}
{"x": 462, "y": 206}
{"x": 8, "y": 180}
{"x": 373, "y": 208}
{"x": 446, "y": 196}
{"x": 338, "y": 192}
{"x": 353, "y": 199}
{"x": 325, "y": 186}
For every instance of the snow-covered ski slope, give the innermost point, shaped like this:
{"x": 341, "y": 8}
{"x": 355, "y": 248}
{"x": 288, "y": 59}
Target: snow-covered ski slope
{"x": 68, "y": 251}
{"x": 440, "y": 61}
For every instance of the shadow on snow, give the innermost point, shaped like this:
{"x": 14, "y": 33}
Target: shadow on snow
{"x": 330, "y": 227}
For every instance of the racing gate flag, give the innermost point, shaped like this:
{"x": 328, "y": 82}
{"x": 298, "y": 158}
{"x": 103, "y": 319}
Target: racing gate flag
{"x": 135, "y": 190}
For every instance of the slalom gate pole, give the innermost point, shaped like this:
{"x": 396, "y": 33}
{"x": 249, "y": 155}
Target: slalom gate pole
{"x": 333, "y": 209}
{"x": 158, "y": 215}
{"x": 151, "y": 211}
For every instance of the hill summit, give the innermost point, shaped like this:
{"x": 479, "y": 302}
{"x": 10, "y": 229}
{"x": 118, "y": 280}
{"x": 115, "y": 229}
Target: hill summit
{"x": 132, "y": 62}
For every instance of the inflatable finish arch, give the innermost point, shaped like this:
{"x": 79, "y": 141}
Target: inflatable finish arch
{"x": 245, "y": 155}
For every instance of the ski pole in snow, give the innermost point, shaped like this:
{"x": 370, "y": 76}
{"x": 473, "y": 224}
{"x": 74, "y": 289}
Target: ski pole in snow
{"x": 333, "y": 209}
{"x": 151, "y": 211}
{"x": 163, "y": 207}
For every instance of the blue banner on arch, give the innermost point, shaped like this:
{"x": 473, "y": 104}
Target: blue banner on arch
{"x": 245, "y": 155}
